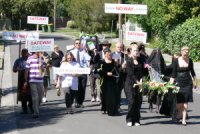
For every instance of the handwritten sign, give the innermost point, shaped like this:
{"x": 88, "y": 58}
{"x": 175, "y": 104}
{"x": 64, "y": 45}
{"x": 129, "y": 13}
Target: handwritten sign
{"x": 125, "y": 8}
{"x": 40, "y": 45}
{"x": 136, "y": 36}
{"x": 23, "y": 36}
{"x": 60, "y": 71}
{"x": 37, "y": 20}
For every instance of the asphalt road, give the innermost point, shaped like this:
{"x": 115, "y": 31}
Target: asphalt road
{"x": 89, "y": 119}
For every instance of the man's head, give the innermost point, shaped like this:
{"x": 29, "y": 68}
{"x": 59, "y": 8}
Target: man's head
{"x": 77, "y": 43}
{"x": 56, "y": 48}
{"x": 105, "y": 44}
{"x": 119, "y": 47}
{"x": 24, "y": 53}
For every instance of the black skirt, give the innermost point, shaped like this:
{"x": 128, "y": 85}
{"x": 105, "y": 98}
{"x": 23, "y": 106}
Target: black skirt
{"x": 184, "y": 81}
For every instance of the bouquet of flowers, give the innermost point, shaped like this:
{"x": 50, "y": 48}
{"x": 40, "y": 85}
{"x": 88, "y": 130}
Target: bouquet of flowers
{"x": 159, "y": 87}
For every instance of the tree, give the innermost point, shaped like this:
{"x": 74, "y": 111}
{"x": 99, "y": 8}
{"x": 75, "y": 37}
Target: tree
{"x": 186, "y": 34}
{"x": 164, "y": 15}
{"x": 89, "y": 15}
{"x": 18, "y": 9}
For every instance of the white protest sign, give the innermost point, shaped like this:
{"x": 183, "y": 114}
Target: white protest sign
{"x": 23, "y": 36}
{"x": 136, "y": 36}
{"x": 40, "y": 45}
{"x": 125, "y": 8}
{"x": 61, "y": 71}
{"x": 37, "y": 20}
{"x": 116, "y": 56}
{"x": 69, "y": 47}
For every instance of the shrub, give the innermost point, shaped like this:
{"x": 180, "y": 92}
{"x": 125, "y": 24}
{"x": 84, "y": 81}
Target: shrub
{"x": 71, "y": 24}
{"x": 187, "y": 34}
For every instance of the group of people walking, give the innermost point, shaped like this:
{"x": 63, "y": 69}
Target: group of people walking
{"x": 111, "y": 72}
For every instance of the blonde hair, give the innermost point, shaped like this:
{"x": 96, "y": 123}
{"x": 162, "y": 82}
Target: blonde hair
{"x": 185, "y": 48}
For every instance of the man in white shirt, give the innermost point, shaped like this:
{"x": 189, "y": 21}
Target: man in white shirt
{"x": 83, "y": 58}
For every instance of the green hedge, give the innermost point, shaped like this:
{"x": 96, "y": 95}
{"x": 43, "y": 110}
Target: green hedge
{"x": 187, "y": 34}
{"x": 71, "y": 24}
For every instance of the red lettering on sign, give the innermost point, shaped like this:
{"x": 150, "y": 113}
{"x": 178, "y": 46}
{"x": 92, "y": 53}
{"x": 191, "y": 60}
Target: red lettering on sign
{"x": 40, "y": 42}
{"x": 135, "y": 34}
{"x": 125, "y": 8}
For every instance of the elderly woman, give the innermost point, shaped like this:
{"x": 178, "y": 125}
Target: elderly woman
{"x": 134, "y": 69}
{"x": 56, "y": 58}
{"x": 183, "y": 72}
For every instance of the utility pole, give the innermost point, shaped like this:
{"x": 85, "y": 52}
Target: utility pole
{"x": 54, "y": 16}
{"x": 120, "y": 24}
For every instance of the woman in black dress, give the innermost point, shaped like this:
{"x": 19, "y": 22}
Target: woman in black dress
{"x": 108, "y": 73}
{"x": 134, "y": 69}
{"x": 182, "y": 72}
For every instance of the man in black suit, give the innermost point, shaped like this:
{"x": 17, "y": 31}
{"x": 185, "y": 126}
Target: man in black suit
{"x": 119, "y": 58}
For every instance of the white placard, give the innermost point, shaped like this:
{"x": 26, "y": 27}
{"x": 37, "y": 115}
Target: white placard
{"x": 69, "y": 47}
{"x": 116, "y": 56}
{"x": 125, "y": 8}
{"x": 40, "y": 45}
{"x": 22, "y": 36}
{"x": 136, "y": 36}
{"x": 37, "y": 20}
{"x": 61, "y": 71}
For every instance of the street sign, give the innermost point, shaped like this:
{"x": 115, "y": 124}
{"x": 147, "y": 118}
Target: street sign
{"x": 137, "y": 36}
{"x": 40, "y": 45}
{"x": 125, "y": 8}
{"x": 37, "y": 20}
{"x": 22, "y": 36}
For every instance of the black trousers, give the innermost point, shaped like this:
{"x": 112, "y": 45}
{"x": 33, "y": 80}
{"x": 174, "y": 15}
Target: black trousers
{"x": 82, "y": 83}
{"x": 69, "y": 96}
{"x": 26, "y": 102}
{"x": 134, "y": 103}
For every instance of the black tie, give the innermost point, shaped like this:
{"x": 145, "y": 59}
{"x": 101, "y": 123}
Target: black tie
{"x": 78, "y": 57}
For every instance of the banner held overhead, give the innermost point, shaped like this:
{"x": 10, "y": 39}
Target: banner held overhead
{"x": 22, "y": 36}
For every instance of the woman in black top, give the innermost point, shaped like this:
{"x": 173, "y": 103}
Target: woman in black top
{"x": 56, "y": 58}
{"x": 182, "y": 71}
{"x": 108, "y": 73}
{"x": 134, "y": 69}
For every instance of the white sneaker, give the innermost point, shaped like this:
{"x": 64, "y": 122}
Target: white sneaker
{"x": 97, "y": 99}
{"x": 129, "y": 124}
{"x": 93, "y": 100}
{"x": 137, "y": 124}
{"x": 44, "y": 99}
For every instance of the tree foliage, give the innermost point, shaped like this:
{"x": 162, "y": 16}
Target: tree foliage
{"x": 89, "y": 15}
{"x": 186, "y": 34}
{"x": 164, "y": 15}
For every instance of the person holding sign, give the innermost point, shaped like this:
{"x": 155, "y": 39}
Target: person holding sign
{"x": 35, "y": 67}
{"x": 69, "y": 82}
{"x": 22, "y": 93}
